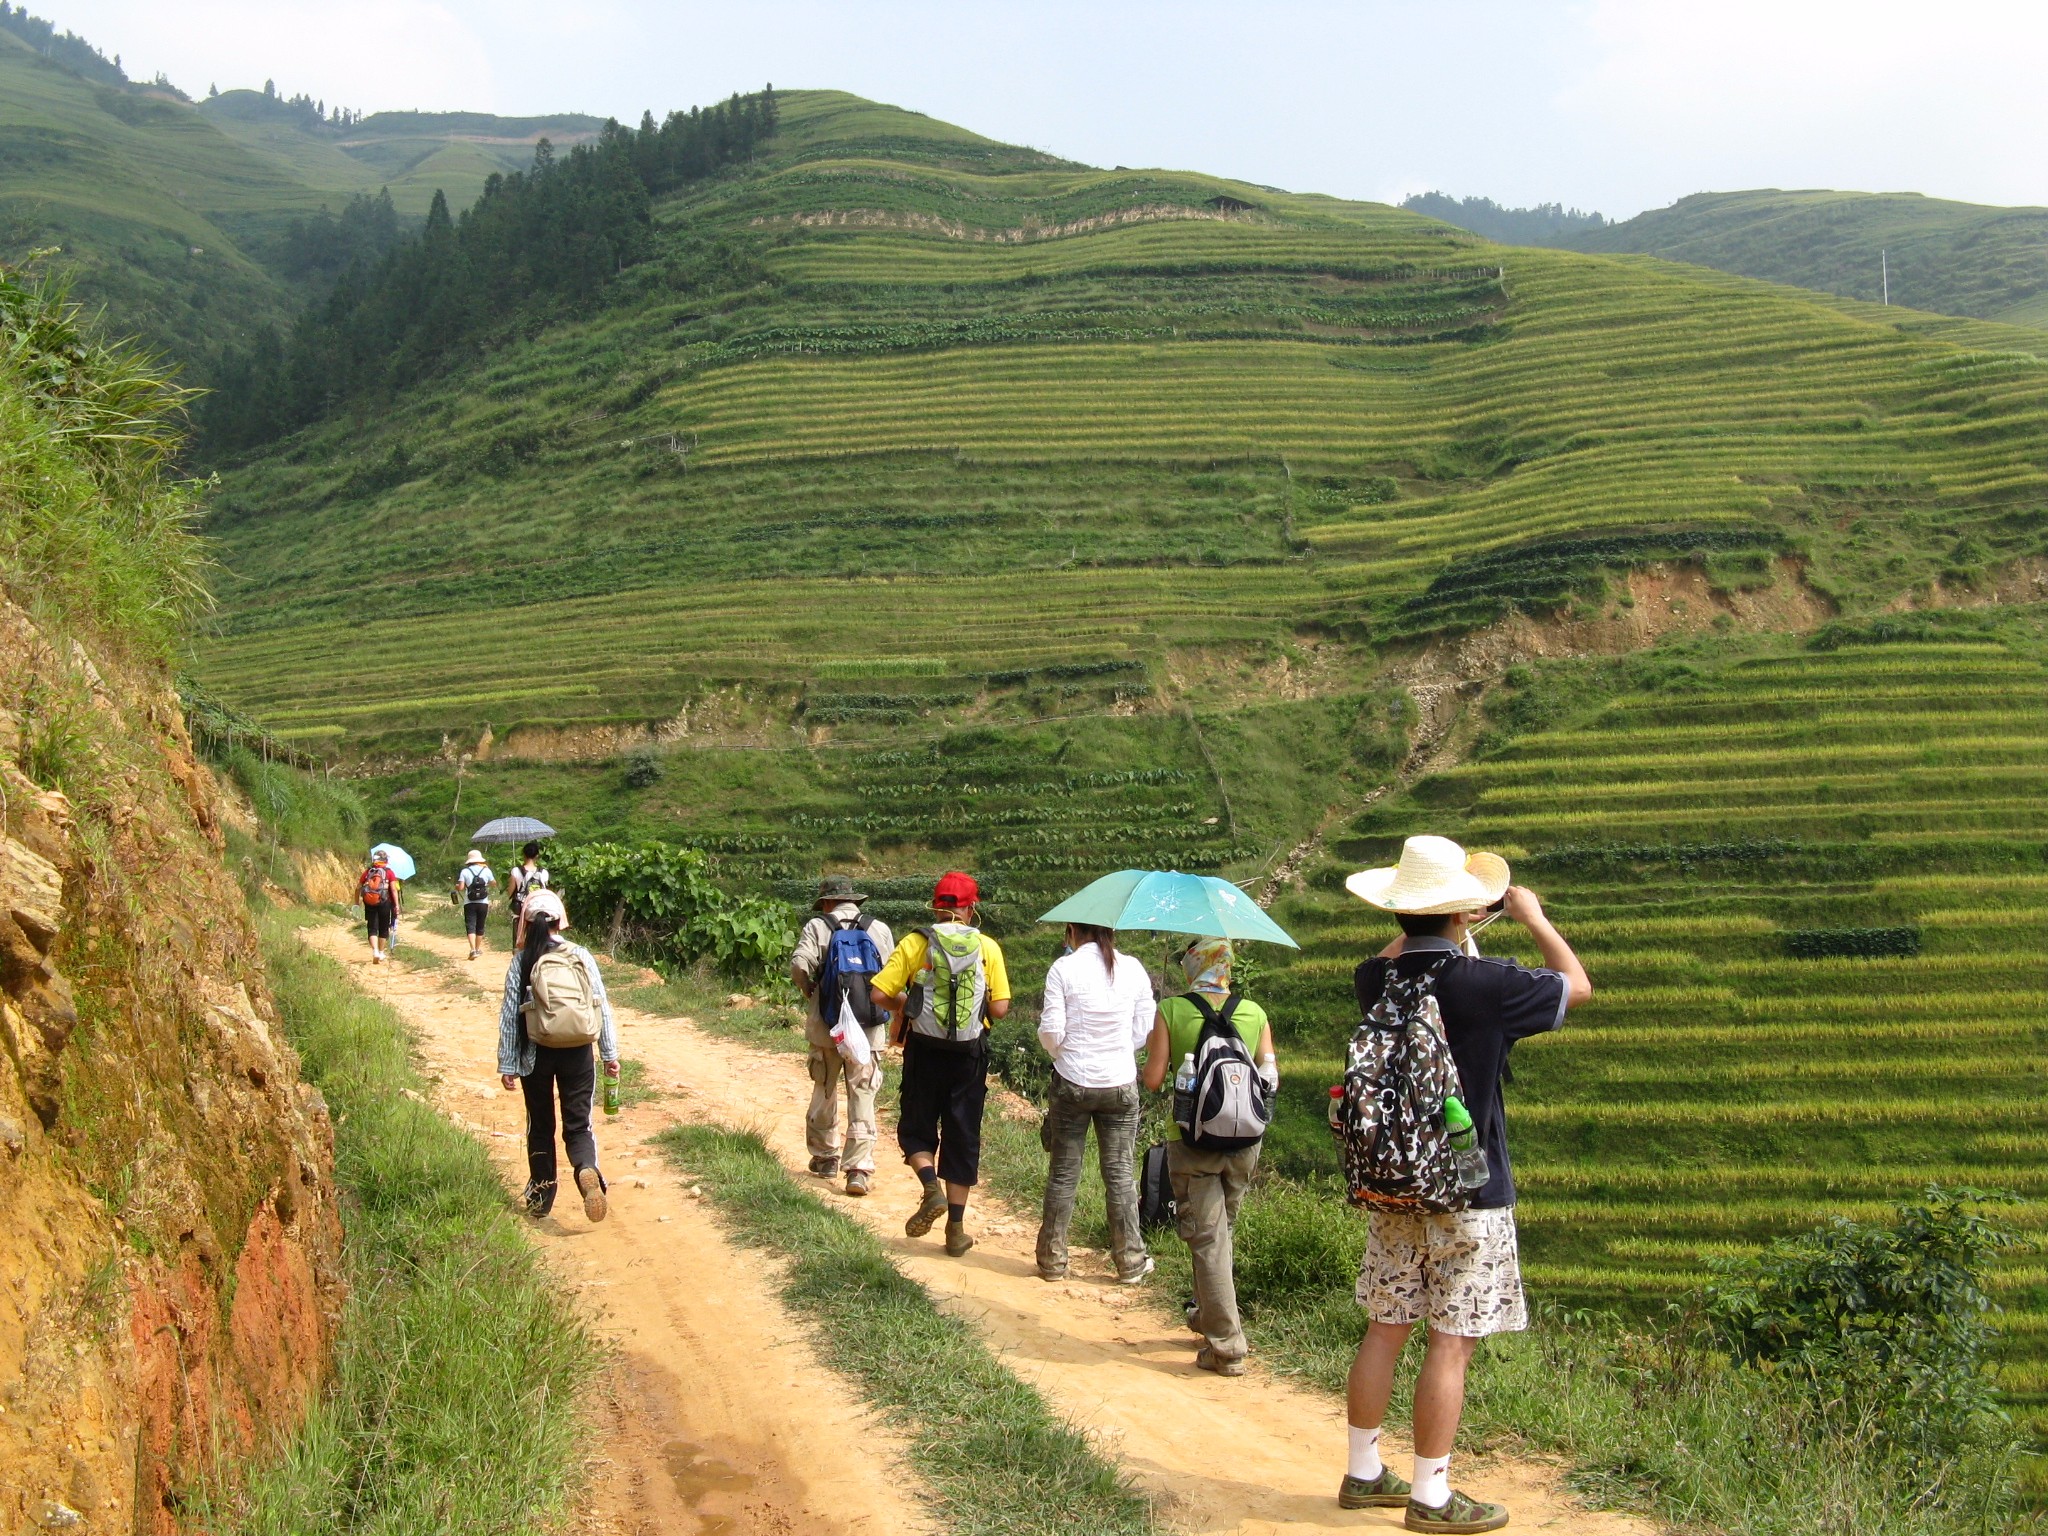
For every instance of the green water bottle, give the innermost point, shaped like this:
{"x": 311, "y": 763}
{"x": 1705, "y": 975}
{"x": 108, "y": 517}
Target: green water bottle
{"x": 1470, "y": 1156}
{"x": 611, "y": 1094}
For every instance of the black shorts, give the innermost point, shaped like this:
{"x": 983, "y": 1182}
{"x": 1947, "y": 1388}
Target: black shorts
{"x": 473, "y": 915}
{"x": 378, "y": 919}
{"x": 940, "y": 1105}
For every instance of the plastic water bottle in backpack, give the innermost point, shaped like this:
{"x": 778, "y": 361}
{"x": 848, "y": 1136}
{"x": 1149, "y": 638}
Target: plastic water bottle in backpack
{"x": 1184, "y": 1093}
{"x": 1473, "y": 1169}
{"x": 1336, "y": 1109}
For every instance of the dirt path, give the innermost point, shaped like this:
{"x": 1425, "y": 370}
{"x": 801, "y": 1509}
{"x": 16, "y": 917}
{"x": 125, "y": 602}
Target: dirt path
{"x": 1101, "y": 1354}
{"x": 712, "y": 1421}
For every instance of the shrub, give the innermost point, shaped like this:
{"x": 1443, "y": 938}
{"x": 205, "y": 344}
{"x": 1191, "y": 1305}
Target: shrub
{"x": 1890, "y": 1321}
{"x": 665, "y": 906}
{"x": 643, "y": 770}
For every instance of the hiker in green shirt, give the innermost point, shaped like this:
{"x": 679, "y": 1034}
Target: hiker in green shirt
{"x": 1209, "y": 1186}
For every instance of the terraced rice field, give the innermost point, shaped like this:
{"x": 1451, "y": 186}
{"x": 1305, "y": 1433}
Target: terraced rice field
{"x": 1046, "y": 414}
{"x": 1717, "y": 1091}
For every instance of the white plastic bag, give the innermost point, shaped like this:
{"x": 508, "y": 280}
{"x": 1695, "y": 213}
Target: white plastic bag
{"x": 851, "y": 1039}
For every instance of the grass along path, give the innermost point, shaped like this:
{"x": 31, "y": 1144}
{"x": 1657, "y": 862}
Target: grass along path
{"x": 1103, "y": 1356}
{"x": 716, "y": 1413}
{"x": 995, "y": 1454}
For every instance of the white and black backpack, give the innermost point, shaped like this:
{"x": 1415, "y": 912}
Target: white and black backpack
{"x": 1397, "y": 1074}
{"x": 1231, "y": 1106}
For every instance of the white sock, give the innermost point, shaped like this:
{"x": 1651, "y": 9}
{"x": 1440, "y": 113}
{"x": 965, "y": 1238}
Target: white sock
{"x": 1365, "y": 1454}
{"x": 1431, "y": 1485}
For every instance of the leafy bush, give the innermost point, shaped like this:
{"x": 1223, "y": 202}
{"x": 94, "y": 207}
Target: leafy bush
{"x": 1889, "y": 1320}
{"x": 1864, "y": 943}
{"x": 643, "y": 770}
{"x": 663, "y": 905}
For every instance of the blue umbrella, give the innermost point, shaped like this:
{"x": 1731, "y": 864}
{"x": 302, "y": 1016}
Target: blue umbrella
{"x": 512, "y": 829}
{"x": 1169, "y": 902}
{"x": 400, "y": 861}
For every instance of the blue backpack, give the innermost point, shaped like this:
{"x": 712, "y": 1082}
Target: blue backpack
{"x": 849, "y": 968}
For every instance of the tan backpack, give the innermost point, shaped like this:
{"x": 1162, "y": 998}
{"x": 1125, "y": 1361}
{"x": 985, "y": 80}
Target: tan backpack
{"x": 561, "y": 1009}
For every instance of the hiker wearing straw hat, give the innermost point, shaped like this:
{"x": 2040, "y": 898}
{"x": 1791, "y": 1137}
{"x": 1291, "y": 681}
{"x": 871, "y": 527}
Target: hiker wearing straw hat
{"x": 838, "y": 954}
{"x": 473, "y": 884}
{"x": 1449, "y": 1260}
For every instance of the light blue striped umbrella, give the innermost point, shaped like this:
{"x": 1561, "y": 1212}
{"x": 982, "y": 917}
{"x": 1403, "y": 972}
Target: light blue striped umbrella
{"x": 1168, "y": 901}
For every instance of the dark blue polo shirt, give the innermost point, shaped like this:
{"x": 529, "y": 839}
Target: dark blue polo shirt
{"x": 1487, "y": 1005}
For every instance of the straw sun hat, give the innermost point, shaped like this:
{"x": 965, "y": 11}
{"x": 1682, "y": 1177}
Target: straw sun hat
{"x": 1435, "y": 876}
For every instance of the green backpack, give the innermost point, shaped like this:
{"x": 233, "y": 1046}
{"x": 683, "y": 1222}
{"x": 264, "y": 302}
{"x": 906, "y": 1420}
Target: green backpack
{"x": 949, "y": 1004}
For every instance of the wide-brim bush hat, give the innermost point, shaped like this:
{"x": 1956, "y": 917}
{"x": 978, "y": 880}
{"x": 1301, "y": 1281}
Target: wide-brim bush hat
{"x": 546, "y": 904}
{"x": 834, "y": 889}
{"x": 1435, "y": 877}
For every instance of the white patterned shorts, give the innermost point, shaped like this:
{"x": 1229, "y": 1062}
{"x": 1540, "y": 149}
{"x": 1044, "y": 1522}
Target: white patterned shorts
{"x": 1459, "y": 1269}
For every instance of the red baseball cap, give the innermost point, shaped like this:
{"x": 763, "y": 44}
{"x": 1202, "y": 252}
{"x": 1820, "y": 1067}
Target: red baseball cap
{"x": 956, "y": 890}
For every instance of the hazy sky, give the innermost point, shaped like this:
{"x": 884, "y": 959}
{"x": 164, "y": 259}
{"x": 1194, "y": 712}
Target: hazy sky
{"x": 1617, "y": 105}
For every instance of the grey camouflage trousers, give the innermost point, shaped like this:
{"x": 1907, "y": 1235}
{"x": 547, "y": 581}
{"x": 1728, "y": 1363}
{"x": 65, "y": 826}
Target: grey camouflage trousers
{"x": 1069, "y": 1111}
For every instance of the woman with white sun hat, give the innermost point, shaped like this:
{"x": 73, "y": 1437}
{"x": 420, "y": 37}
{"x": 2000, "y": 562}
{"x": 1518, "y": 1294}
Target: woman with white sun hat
{"x": 1459, "y": 1270}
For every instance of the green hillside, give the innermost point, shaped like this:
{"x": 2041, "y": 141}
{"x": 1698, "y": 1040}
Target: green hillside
{"x": 175, "y": 217}
{"x": 1950, "y": 258}
{"x": 414, "y": 154}
{"x": 1196, "y": 413}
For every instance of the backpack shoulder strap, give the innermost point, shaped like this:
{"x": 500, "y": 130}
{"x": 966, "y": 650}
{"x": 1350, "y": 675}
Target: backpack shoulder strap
{"x": 1230, "y": 1007}
{"x": 1203, "y": 1007}
{"x": 863, "y": 922}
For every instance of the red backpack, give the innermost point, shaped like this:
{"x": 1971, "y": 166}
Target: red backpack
{"x": 375, "y": 886}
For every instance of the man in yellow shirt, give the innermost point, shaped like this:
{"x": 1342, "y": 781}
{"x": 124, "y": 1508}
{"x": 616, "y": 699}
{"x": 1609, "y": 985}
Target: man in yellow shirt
{"x": 946, "y": 983}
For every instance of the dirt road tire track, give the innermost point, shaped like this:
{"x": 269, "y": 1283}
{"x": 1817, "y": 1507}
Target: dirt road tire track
{"x": 1101, "y": 1354}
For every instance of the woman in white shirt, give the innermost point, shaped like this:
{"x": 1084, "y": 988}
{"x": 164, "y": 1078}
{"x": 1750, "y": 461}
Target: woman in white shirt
{"x": 1098, "y": 1010}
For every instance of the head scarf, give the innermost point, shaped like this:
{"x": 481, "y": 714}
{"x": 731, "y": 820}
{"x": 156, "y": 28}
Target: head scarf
{"x": 1206, "y": 964}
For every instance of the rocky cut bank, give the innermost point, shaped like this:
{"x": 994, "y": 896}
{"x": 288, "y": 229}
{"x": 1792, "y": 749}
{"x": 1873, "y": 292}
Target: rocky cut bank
{"x": 170, "y": 1247}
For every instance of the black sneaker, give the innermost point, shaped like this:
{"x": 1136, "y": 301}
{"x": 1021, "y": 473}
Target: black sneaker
{"x": 929, "y": 1210}
{"x": 1459, "y": 1516}
{"x": 539, "y": 1198}
{"x": 1384, "y": 1490}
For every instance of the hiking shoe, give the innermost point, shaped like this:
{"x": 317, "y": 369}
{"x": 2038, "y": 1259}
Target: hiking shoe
{"x": 594, "y": 1203}
{"x": 957, "y": 1240}
{"x": 1461, "y": 1516}
{"x": 1051, "y": 1276}
{"x": 825, "y": 1167}
{"x": 538, "y": 1198}
{"x": 929, "y": 1210}
{"x": 857, "y": 1181}
{"x": 1138, "y": 1275}
{"x": 1209, "y": 1360}
{"x": 1386, "y": 1489}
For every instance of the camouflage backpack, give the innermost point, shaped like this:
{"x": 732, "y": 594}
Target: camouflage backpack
{"x": 1397, "y": 1074}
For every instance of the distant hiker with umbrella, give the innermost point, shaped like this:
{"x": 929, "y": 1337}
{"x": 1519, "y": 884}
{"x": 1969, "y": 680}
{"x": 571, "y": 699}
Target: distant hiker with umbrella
{"x": 377, "y": 888}
{"x": 527, "y": 874}
{"x": 944, "y": 983}
{"x": 1209, "y": 1181}
{"x": 838, "y": 955}
{"x": 554, "y": 1010}
{"x": 1097, "y": 1011}
{"x": 1439, "y": 1021}
{"x": 473, "y": 884}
